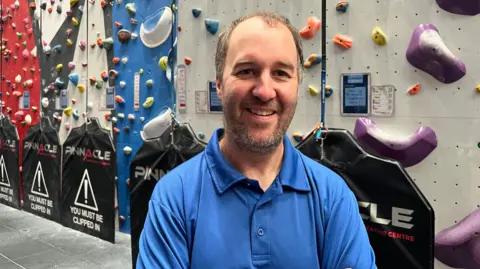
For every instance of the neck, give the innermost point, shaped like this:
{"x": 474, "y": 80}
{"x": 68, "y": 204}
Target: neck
{"x": 263, "y": 167}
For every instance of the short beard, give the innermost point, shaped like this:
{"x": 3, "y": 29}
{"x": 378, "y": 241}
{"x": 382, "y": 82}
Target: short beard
{"x": 245, "y": 141}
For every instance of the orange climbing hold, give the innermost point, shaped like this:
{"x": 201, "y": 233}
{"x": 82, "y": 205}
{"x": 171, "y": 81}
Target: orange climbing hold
{"x": 343, "y": 41}
{"x": 116, "y": 60}
{"x": 32, "y": 5}
{"x": 179, "y": 28}
{"x": 103, "y": 4}
{"x": 312, "y": 27}
{"x": 119, "y": 25}
{"x": 188, "y": 61}
{"x": 415, "y": 89}
{"x": 100, "y": 42}
{"x": 49, "y": 10}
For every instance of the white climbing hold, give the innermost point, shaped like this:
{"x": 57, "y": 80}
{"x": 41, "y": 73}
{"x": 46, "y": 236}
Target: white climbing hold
{"x": 18, "y": 79}
{"x": 28, "y": 119}
{"x": 45, "y": 102}
{"x": 127, "y": 150}
{"x": 90, "y": 104}
{"x": 123, "y": 84}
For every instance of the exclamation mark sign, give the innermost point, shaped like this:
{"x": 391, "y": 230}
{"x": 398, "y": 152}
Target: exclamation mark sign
{"x": 85, "y": 188}
{"x": 38, "y": 180}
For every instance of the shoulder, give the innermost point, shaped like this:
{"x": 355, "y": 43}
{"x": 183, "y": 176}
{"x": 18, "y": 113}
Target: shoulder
{"x": 327, "y": 184}
{"x": 171, "y": 189}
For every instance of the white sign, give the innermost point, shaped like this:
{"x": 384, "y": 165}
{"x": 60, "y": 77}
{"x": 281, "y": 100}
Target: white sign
{"x": 86, "y": 214}
{"x": 39, "y": 187}
{"x": 6, "y": 193}
{"x": 201, "y": 101}
{"x": 182, "y": 88}
{"x": 383, "y": 101}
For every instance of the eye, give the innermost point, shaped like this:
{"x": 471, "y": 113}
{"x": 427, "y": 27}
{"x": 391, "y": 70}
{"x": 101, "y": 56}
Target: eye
{"x": 245, "y": 72}
{"x": 281, "y": 73}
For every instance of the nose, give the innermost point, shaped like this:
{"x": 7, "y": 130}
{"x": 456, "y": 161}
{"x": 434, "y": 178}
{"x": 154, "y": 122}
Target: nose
{"x": 265, "y": 89}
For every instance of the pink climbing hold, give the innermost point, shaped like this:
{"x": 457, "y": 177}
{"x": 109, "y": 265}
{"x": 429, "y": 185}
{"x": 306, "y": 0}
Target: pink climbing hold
{"x": 71, "y": 65}
{"x": 25, "y": 54}
{"x": 82, "y": 45}
{"x": 30, "y": 31}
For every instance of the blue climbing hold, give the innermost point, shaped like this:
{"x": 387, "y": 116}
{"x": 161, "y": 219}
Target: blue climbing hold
{"x": 73, "y": 78}
{"x": 328, "y": 91}
{"x": 196, "y": 12}
{"x": 58, "y": 48}
{"x": 59, "y": 84}
{"x": 212, "y": 25}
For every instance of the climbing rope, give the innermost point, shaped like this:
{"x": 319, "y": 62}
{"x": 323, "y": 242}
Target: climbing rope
{"x": 322, "y": 126}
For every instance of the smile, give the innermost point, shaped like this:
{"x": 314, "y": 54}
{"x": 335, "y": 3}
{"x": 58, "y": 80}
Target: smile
{"x": 260, "y": 112}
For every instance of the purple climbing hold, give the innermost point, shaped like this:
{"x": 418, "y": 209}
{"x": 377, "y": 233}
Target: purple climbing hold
{"x": 459, "y": 245}
{"x": 428, "y": 52}
{"x": 460, "y": 7}
{"x": 408, "y": 151}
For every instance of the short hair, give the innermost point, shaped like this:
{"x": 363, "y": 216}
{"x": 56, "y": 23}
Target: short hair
{"x": 268, "y": 17}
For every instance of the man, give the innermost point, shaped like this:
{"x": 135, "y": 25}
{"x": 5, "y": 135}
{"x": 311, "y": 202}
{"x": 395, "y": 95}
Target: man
{"x": 251, "y": 200}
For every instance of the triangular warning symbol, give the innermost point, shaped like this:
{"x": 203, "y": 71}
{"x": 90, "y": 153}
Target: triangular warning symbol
{"x": 4, "y": 174}
{"x": 38, "y": 186}
{"x": 85, "y": 195}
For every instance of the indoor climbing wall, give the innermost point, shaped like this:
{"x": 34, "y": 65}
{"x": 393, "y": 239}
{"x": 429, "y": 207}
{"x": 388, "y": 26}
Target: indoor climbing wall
{"x": 423, "y": 95}
{"x": 144, "y": 33}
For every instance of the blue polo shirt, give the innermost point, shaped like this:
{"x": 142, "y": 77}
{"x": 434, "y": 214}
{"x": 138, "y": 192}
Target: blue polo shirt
{"x": 206, "y": 215}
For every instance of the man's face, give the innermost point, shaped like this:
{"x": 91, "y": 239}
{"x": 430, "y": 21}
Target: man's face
{"x": 260, "y": 84}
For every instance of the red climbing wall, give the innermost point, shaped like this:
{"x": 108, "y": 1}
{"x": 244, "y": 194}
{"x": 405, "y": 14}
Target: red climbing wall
{"x": 20, "y": 70}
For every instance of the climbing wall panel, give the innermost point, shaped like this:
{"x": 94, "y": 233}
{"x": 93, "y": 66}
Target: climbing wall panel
{"x": 139, "y": 79}
{"x": 20, "y": 69}
{"x": 450, "y": 176}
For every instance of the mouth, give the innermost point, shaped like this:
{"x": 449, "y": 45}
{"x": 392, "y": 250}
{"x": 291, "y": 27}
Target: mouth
{"x": 261, "y": 112}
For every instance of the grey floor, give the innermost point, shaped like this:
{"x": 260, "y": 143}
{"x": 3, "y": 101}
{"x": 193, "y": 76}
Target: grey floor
{"x": 31, "y": 242}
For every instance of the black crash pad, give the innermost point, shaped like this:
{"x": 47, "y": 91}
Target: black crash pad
{"x": 399, "y": 219}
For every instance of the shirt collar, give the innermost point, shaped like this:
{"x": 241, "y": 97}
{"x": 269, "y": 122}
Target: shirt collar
{"x": 292, "y": 173}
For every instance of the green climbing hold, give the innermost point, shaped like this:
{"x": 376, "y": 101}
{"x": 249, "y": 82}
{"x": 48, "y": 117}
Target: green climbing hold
{"x": 108, "y": 43}
{"x": 24, "y": 43}
{"x": 478, "y": 145}
{"x": 19, "y": 35}
{"x": 131, "y": 9}
{"x": 174, "y": 8}
{"x": 99, "y": 84}
{"x": 163, "y": 63}
{"x": 141, "y": 71}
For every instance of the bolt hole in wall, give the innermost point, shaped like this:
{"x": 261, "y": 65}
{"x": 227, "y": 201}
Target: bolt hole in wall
{"x": 422, "y": 97}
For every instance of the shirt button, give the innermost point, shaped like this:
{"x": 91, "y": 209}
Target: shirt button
{"x": 260, "y": 232}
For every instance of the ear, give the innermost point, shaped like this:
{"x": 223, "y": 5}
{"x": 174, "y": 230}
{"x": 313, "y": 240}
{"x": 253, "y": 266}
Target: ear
{"x": 219, "y": 88}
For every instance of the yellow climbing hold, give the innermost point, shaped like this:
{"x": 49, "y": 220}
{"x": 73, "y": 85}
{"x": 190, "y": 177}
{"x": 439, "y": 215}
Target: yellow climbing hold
{"x": 163, "y": 63}
{"x": 148, "y": 103}
{"x": 478, "y": 88}
{"x": 67, "y": 111}
{"x": 74, "y": 21}
{"x": 313, "y": 91}
{"x": 81, "y": 87}
{"x": 69, "y": 42}
{"x": 73, "y": 3}
{"x": 141, "y": 71}
{"x": 59, "y": 67}
{"x": 378, "y": 36}
{"x": 297, "y": 136}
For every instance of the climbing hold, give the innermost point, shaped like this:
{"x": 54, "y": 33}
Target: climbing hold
{"x": 29, "y": 83}
{"x": 59, "y": 67}
{"x": 50, "y": 10}
{"x": 68, "y": 32}
{"x": 126, "y": 129}
{"x": 162, "y": 63}
{"x": 134, "y": 36}
{"x": 415, "y": 89}
{"x": 69, "y": 13}
{"x": 127, "y": 150}
{"x": 196, "y": 12}
{"x": 59, "y": 83}
{"x": 108, "y": 43}
{"x": 74, "y": 101}
{"x": 19, "y": 35}
{"x": 92, "y": 80}
{"x": 81, "y": 87}
{"x": 45, "y": 102}
{"x": 212, "y": 25}
{"x": 93, "y": 45}
{"x": 408, "y": 151}
{"x": 312, "y": 60}
{"x": 379, "y": 36}
{"x": 104, "y": 76}
{"x": 113, "y": 74}
{"x": 34, "y": 108}
{"x": 428, "y": 52}
{"x": 25, "y": 54}
{"x": 67, "y": 111}
{"x": 30, "y": 31}
{"x": 312, "y": 27}
{"x": 469, "y": 8}
{"x": 133, "y": 21}
{"x": 124, "y": 60}
{"x": 201, "y": 135}
{"x": 123, "y": 84}
{"x": 156, "y": 28}
{"x": 90, "y": 105}
{"x": 103, "y": 4}
{"x": 188, "y": 61}
{"x": 328, "y": 91}
{"x": 82, "y": 44}
{"x": 313, "y": 91}
{"x": 73, "y": 3}
{"x": 84, "y": 64}
{"x": 148, "y": 102}
{"x": 116, "y": 60}
{"x": 342, "y": 6}
{"x": 141, "y": 71}
{"x": 298, "y": 137}
{"x": 76, "y": 114}
{"x": 58, "y": 48}
{"x": 142, "y": 119}
{"x": 100, "y": 42}
{"x": 121, "y": 116}
{"x": 179, "y": 28}
{"x": 18, "y": 79}
{"x": 131, "y": 117}
{"x": 47, "y": 50}
{"x": 149, "y": 83}
{"x": 478, "y": 88}
{"x": 69, "y": 42}
{"x": 99, "y": 84}
{"x": 131, "y": 9}
{"x": 114, "y": 119}
{"x": 19, "y": 115}
{"x": 32, "y": 5}
{"x": 73, "y": 78}
{"x": 71, "y": 65}
{"x": 119, "y": 25}
{"x": 119, "y": 99}
{"x": 59, "y": 9}
{"x": 342, "y": 41}
{"x": 115, "y": 130}
{"x": 75, "y": 22}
